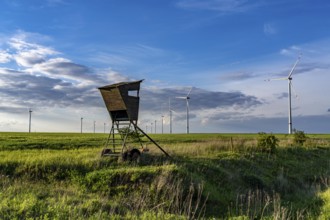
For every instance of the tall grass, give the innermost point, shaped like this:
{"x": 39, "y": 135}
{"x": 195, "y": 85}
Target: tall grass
{"x": 62, "y": 176}
{"x": 147, "y": 193}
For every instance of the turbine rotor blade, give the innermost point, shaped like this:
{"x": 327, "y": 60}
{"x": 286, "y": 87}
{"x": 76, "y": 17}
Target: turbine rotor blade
{"x": 181, "y": 97}
{"x": 283, "y": 78}
{"x": 294, "y": 66}
{"x": 189, "y": 91}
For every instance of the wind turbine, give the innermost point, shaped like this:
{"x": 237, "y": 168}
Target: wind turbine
{"x": 170, "y": 111}
{"x": 187, "y": 103}
{"x": 30, "y": 112}
{"x": 81, "y": 124}
{"x": 289, "y": 78}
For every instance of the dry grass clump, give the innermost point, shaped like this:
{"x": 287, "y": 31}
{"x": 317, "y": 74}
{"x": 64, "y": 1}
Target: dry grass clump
{"x": 259, "y": 204}
{"x": 212, "y": 147}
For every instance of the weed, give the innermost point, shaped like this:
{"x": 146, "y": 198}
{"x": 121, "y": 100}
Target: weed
{"x": 267, "y": 142}
{"x": 299, "y": 137}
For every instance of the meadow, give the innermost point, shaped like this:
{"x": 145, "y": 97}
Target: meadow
{"x": 209, "y": 176}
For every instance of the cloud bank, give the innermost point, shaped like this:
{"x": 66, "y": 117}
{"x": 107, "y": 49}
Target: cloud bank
{"x": 224, "y": 6}
{"x": 36, "y": 76}
{"x": 42, "y": 77}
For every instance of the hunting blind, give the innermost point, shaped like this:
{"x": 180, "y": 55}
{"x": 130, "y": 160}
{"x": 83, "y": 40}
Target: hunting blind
{"x": 122, "y": 101}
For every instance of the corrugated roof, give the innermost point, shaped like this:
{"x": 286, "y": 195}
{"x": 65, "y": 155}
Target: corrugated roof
{"x": 116, "y": 85}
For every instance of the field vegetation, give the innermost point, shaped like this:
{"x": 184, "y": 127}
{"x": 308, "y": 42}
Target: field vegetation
{"x": 209, "y": 176}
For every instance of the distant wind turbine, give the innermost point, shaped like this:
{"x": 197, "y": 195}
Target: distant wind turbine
{"x": 187, "y": 103}
{"x": 170, "y": 111}
{"x": 81, "y": 124}
{"x": 30, "y": 112}
{"x": 289, "y": 78}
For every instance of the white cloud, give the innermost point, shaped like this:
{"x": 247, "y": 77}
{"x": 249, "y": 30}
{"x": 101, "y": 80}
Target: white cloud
{"x": 113, "y": 59}
{"x": 5, "y": 57}
{"x": 38, "y": 59}
{"x": 114, "y": 77}
{"x": 19, "y": 48}
{"x": 270, "y": 29}
{"x": 25, "y": 40}
{"x": 234, "y": 76}
{"x": 42, "y": 78}
{"x": 224, "y": 6}
{"x": 60, "y": 68}
{"x": 292, "y": 50}
{"x": 28, "y": 59}
{"x": 56, "y": 2}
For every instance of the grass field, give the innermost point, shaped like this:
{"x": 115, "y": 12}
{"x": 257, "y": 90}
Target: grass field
{"x": 209, "y": 176}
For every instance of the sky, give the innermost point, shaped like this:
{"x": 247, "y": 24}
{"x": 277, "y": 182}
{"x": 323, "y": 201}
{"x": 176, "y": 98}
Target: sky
{"x": 54, "y": 54}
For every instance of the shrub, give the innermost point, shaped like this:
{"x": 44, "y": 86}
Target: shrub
{"x": 267, "y": 142}
{"x": 131, "y": 134}
{"x": 299, "y": 137}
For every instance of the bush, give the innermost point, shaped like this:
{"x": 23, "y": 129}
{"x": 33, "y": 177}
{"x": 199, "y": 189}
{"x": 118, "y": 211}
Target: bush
{"x": 299, "y": 137}
{"x": 267, "y": 142}
{"x": 131, "y": 134}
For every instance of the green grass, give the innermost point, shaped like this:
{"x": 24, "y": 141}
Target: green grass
{"x": 325, "y": 210}
{"x": 222, "y": 176}
{"x": 23, "y": 141}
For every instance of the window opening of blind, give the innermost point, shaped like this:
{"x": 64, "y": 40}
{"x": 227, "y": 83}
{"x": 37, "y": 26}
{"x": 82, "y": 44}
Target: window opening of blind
{"x": 134, "y": 93}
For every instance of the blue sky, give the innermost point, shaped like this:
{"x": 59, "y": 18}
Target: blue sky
{"x": 55, "y": 53}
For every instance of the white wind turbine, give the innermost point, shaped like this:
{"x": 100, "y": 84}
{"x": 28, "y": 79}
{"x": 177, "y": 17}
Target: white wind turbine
{"x": 170, "y": 112}
{"x": 30, "y": 112}
{"x": 289, "y": 78}
{"x": 187, "y": 102}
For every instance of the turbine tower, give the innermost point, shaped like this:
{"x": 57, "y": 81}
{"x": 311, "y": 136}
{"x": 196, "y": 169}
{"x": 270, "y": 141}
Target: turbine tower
{"x": 30, "y": 112}
{"x": 289, "y": 88}
{"x": 81, "y": 124}
{"x": 187, "y": 103}
{"x": 170, "y": 111}
{"x": 289, "y": 78}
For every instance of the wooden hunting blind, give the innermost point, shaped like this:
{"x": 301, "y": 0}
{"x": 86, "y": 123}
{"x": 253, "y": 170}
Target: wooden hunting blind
{"x": 122, "y": 101}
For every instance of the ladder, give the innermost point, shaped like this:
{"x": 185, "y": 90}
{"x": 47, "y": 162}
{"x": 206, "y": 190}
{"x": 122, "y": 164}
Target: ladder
{"x": 120, "y": 135}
